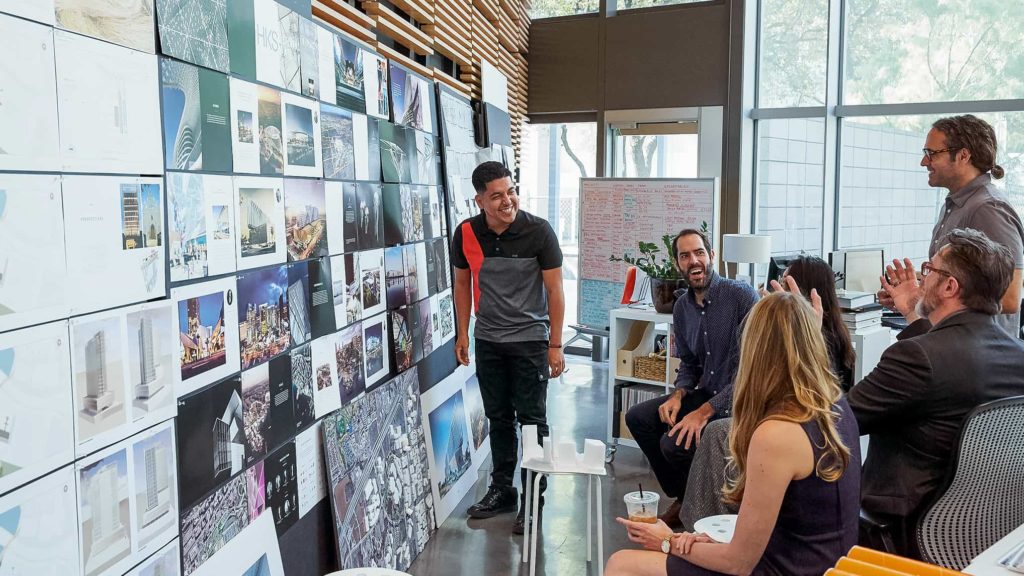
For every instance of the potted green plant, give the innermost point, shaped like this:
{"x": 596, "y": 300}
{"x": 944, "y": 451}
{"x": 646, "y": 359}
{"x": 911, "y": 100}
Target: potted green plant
{"x": 659, "y": 267}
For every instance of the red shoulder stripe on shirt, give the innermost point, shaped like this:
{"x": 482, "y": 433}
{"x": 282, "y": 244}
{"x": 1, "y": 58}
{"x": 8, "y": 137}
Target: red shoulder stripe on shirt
{"x": 475, "y": 257}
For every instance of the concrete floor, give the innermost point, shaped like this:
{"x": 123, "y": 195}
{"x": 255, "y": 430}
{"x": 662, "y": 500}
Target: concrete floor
{"x": 577, "y": 406}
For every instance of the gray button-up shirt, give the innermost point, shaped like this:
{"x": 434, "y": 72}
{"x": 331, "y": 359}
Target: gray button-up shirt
{"x": 982, "y": 206}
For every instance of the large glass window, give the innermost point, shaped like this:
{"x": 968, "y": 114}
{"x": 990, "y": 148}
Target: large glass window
{"x": 629, "y": 4}
{"x": 900, "y": 51}
{"x": 656, "y": 156}
{"x": 554, "y": 158}
{"x": 790, "y": 183}
{"x": 551, "y": 8}
{"x": 884, "y": 197}
{"x": 793, "y": 58}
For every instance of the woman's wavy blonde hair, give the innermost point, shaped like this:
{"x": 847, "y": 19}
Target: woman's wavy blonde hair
{"x": 784, "y": 374}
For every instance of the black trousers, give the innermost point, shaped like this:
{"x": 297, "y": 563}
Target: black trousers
{"x": 514, "y": 386}
{"x": 670, "y": 463}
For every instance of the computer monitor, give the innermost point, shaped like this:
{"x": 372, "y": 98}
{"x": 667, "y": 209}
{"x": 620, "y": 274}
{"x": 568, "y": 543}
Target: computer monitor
{"x": 859, "y": 268}
{"x": 777, "y": 265}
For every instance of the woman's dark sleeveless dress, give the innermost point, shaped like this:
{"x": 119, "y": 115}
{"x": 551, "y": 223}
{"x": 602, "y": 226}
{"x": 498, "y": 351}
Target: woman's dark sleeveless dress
{"x": 818, "y": 520}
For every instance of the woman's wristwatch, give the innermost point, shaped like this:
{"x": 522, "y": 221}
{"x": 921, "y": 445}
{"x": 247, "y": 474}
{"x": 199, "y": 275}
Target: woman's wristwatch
{"x": 666, "y": 544}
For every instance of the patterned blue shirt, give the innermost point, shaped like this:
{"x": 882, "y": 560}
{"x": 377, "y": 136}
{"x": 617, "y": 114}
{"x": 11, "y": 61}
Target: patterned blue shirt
{"x": 707, "y": 338}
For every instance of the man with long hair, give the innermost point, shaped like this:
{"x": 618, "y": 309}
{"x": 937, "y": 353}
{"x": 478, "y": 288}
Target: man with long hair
{"x": 960, "y": 155}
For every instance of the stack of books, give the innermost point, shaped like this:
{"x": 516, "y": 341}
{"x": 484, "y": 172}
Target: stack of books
{"x": 860, "y": 311}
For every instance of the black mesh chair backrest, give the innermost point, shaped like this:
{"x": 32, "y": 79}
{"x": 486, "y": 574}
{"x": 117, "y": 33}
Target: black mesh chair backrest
{"x": 985, "y": 499}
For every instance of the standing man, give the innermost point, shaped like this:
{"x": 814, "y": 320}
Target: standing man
{"x": 706, "y": 325}
{"x": 508, "y": 267}
{"x": 960, "y": 155}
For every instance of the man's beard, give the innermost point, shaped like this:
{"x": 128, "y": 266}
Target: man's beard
{"x": 924, "y": 307}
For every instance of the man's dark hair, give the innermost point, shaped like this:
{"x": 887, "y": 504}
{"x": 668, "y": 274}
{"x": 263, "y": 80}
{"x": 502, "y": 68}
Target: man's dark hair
{"x": 974, "y": 135}
{"x": 687, "y": 232}
{"x": 983, "y": 268}
{"x": 488, "y": 172}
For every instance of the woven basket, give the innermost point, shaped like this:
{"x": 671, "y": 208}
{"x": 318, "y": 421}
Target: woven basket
{"x": 651, "y": 367}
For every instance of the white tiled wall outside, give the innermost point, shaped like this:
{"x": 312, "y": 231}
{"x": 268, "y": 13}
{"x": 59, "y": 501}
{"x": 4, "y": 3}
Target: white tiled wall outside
{"x": 884, "y": 197}
{"x": 790, "y": 183}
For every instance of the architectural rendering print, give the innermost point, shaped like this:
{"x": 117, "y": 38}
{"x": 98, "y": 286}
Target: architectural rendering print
{"x": 201, "y": 334}
{"x": 214, "y": 521}
{"x": 195, "y": 31}
{"x": 156, "y": 486}
{"x": 256, "y": 410}
{"x": 450, "y": 441}
{"x": 99, "y": 376}
{"x": 305, "y": 219}
{"x": 348, "y": 353}
{"x": 149, "y": 358}
{"x": 263, "y": 314}
{"x": 104, "y": 512}
{"x": 377, "y": 477}
{"x": 271, "y": 138}
{"x": 229, "y": 438}
{"x": 257, "y": 210}
{"x": 300, "y": 142}
{"x": 126, "y": 22}
{"x": 348, "y": 74}
{"x": 302, "y": 387}
{"x": 338, "y": 143}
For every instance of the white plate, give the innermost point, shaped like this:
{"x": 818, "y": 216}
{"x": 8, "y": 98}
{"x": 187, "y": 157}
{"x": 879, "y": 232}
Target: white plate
{"x": 720, "y": 528}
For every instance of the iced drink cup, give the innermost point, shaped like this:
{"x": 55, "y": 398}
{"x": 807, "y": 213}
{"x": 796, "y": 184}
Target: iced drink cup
{"x": 642, "y": 507}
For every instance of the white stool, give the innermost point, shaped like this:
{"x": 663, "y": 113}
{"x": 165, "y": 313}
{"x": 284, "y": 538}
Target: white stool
{"x": 537, "y": 462}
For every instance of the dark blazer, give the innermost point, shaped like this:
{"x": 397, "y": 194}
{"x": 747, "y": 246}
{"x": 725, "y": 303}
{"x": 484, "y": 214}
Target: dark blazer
{"x": 914, "y": 402}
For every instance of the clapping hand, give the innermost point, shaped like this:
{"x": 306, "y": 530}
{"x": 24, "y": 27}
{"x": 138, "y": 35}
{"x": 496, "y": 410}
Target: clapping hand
{"x": 791, "y": 286}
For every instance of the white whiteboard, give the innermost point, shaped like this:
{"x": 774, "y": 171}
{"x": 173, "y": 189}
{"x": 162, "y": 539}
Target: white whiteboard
{"x": 616, "y": 214}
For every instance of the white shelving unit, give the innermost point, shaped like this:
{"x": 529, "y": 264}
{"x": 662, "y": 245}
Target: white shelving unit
{"x": 620, "y": 321}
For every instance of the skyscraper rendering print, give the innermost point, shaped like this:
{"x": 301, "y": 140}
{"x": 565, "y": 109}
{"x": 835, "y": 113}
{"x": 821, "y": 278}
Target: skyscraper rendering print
{"x": 99, "y": 375}
{"x": 150, "y": 356}
{"x": 103, "y": 512}
{"x": 229, "y": 439}
{"x": 154, "y": 472}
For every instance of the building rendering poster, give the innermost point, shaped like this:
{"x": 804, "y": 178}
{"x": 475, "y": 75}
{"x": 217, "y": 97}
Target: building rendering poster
{"x": 206, "y": 321}
{"x": 260, "y": 221}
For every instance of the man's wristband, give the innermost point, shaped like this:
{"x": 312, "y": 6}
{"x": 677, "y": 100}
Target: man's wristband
{"x": 550, "y": 345}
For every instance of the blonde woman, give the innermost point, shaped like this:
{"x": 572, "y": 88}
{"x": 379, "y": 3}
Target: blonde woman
{"x": 795, "y": 461}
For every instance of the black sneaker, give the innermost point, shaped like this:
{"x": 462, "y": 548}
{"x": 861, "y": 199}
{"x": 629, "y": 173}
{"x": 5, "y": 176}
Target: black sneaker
{"x": 519, "y": 526}
{"x": 498, "y": 500}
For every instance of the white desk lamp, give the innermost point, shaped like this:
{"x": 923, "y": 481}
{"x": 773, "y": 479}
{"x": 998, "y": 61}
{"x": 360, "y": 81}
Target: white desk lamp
{"x": 747, "y": 249}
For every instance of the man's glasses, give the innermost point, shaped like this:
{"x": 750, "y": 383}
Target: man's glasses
{"x": 927, "y": 269}
{"x": 930, "y": 153}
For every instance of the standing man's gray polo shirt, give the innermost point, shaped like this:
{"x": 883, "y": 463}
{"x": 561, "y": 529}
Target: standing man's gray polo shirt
{"x": 982, "y": 206}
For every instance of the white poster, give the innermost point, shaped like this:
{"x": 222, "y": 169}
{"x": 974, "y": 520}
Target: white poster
{"x": 201, "y": 218}
{"x": 422, "y": 278}
{"x": 154, "y": 489}
{"x": 206, "y": 322}
{"x": 375, "y": 85}
{"x": 494, "y": 85}
{"x": 335, "y": 206}
{"x": 36, "y": 415}
{"x": 38, "y": 10}
{"x": 452, "y": 471}
{"x": 277, "y": 45}
{"x": 446, "y": 316}
{"x": 261, "y": 237}
{"x": 254, "y": 551}
{"x": 114, "y": 230}
{"x": 375, "y": 340}
{"x": 33, "y": 273}
{"x": 109, "y": 102}
{"x": 102, "y": 407}
{"x": 39, "y": 529}
{"x": 361, "y": 138}
{"x": 246, "y": 133}
{"x": 435, "y": 322}
{"x": 309, "y": 465}
{"x": 149, "y": 350}
{"x": 325, "y": 65}
{"x": 130, "y": 23}
{"x": 371, "y": 282}
{"x": 104, "y": 512}
{"x": 326, "y": 395}
{"x": 303, "y": 153}
{"x": 28, "y": 97}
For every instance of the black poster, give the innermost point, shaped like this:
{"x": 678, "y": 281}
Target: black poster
{"x": 370, "y": 225}
{"x": 302, "y": 386}
{"x": 211, "y": 439}
{"x": 282, "y": 487}
{"x": 350, "y": 209}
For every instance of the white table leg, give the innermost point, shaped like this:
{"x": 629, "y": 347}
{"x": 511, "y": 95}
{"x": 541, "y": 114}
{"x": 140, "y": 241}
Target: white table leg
{"x": 590, "y": 504}
{"x": 526, "y": 502}
{"x": 600, "y": 530}
{"x": 534, "y": 524}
